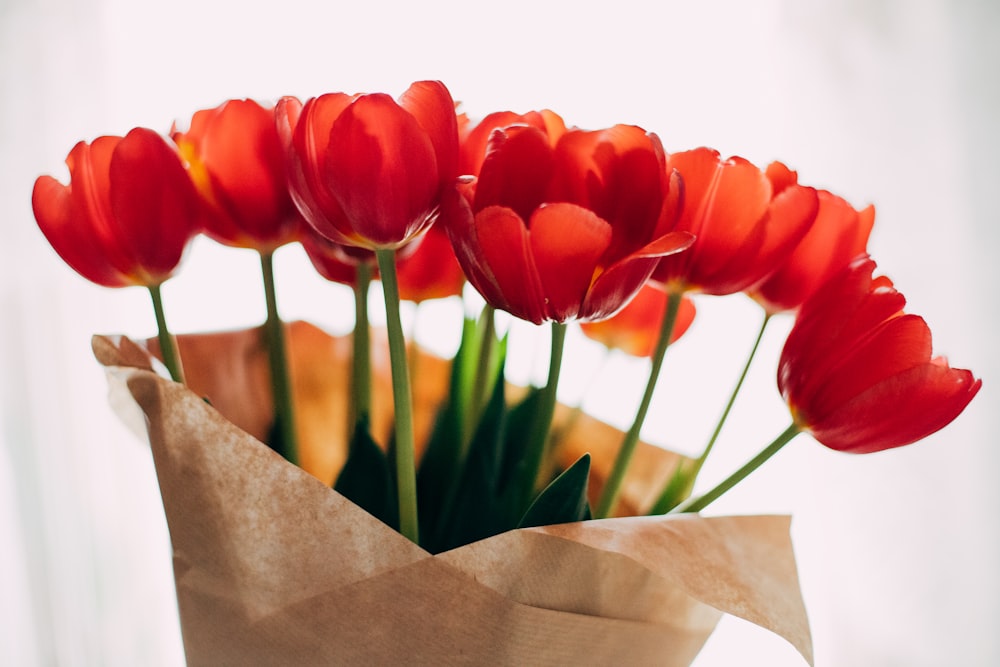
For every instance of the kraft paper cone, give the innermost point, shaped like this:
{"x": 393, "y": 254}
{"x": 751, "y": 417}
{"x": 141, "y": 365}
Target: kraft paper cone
{"x": 273, "y": 567}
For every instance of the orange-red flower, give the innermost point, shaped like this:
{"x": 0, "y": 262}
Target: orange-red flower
{"x": 237, "y": 162}
{"x": 367, "y": 171}
{"x": 336, "y": 263}
{"x": 858, "y": 373}
{"x": 474, "y": 139}
{"x": 427, "y": 268}
{"x": 744, "y": 227}
{"x": 127, "y": 214}
{"x": 837, "y": 236}
{"x": 431, "y": 271}
{"x": 635, "y": 329}
{"x": 567, "y": 229}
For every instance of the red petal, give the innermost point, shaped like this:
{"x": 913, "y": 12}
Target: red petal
{"x": 503, "y": 247}
{"x": 154, "y": 203}
{"x": 617, "y": 284}
{"x": 837, "y": 236}
{"x": 891, "y": 348}
{"x": 724, "y": 204}
{"x": 432, "y": 106}
{"x": 848, "y": 308}
{"x": 305, "y": 132}
{"x": 457, "y": 220}
{"x": 431, "y": 272}
{"x": 237, "y": 146}
{"x": 636, "y": 328}
{"x": 900, "y": 410}
{"x": 474, "y": 143}
{"x": 567, "y": 242}
{"x": 618, "y": 173}
{"x": 68, "y": 230}
{"x": 333, "y": 261}
{"x": 788, "y": 220}
{"x": 516, "y": 172}
{"x": 781, "y": 177}
{"x": 381, "y": 167}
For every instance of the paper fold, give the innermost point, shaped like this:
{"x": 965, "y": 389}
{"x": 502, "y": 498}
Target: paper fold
{"x": 273, "y": 567}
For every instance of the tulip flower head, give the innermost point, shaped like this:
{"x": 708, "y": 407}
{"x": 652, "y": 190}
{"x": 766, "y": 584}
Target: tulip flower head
{"x": 635, "y": 328}
{"x": 331, "y": 259}
{"x": 431, "y": 271}
{"x": 236, "y": 160}
{"x": 128, "y": 213}
{"x": 744, "y": 226}
{"x": 838, "y": 235}
{"x": 566, "y": 229}
{"x": 366, "y": 170}
{"x": 474, "y": 139}
{"x": 857, "y": 372}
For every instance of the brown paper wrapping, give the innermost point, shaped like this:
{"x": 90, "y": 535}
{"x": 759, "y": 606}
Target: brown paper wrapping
{"x": 272, "y": 567}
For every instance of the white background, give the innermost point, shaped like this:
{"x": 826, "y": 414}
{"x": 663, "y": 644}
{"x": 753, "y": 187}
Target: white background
{"x": 889, "y": 102}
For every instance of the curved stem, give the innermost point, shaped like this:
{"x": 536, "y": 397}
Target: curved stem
{"x": 168, "y": 344}
{"x": 704, "y": 500}
{"x": 281, "y": 386}
{"x": 612, "y": 487}
{"x": 361, "y": 373}
{"x": 687, "y": 472}
{"x": 535, "y": 452}
{"x": 406, "y": 473}
{"x": 700, "y": 461}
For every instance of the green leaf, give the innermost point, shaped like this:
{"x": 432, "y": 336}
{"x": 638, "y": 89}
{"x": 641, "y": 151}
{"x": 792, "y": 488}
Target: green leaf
{"x": 440, "y": 464}
{"x": 473, "y": 512}
{"x": 562, "y": 501}
{"x": 678, "y": 489}
{"x": 367, "y": 479}
{"x": 514, "y": 477}
{"x": 447, "y": 450}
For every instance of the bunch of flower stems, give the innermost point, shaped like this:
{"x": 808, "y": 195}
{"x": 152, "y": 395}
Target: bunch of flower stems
{"x": 674, "y": 498}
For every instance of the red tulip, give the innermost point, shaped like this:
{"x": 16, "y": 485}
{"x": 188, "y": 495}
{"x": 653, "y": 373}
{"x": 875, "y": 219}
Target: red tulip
{"x": 568, "y": 229}
{"x": 475, "y": 139}
{"x": 127, "y": 214}
{"x": 744, "y": 227}
{"x": 337, "y": 263}
{"x": 237, "y": 162}
{"x": 858, "y": 373}
{"x": 367, "y": 171}
{"x": 635, "y": 329}
{"x": 431, "y": 271}
{"x": 838, "y": 235}
{"x": 427, "y": 268}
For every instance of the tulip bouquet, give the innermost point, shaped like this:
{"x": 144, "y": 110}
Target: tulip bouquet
{"x": 470, "y": 510}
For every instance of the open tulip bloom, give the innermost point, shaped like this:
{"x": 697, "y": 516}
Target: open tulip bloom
{"x": 550, "y": 223}
{"x": 235, "y": 158}
{"x": 858, "y": 373}
{"x": 125, "y": 218}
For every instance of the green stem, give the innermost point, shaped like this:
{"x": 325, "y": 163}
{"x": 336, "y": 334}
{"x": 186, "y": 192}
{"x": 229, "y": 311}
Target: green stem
{"x": 281, "y": 386}
{"x": 566, "y": 427}
{"x": 535, "y": 451}
{"x": 406, "y": 473}
{"x": 609, "y": 496}
{"x": 412, "y": 349}
{"x": 703, "y": 501}
{"x": 168, "y": 344}
{"x": 686, "y": 475}
{"x": 481, "y": 378}
{"x": 361, "y": 373}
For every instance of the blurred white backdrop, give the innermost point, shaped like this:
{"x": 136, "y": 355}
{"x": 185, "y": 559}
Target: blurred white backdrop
{"x": 892, "y": 102}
